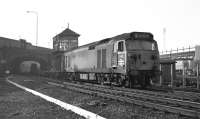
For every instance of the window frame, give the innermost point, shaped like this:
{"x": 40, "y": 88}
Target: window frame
{"x": 120, "y": 46}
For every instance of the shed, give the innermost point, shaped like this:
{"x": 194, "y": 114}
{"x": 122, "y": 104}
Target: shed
{"x": 168, "y": 69}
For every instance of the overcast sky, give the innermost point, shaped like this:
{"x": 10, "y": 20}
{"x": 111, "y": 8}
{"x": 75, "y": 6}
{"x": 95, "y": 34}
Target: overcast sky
{"x": 98, "y": 19}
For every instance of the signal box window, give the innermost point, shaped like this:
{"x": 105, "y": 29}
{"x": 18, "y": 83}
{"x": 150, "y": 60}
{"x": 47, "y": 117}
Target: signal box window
{"x": 121, "y": 46}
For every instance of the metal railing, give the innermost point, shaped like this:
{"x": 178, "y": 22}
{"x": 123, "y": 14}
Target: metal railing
{"x": 181, "y": 50}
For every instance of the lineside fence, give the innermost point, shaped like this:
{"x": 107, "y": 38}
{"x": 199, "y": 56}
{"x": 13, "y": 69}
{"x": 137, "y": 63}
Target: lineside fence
{"x": 178, "y": 50}
{"x": 188, "y": 75}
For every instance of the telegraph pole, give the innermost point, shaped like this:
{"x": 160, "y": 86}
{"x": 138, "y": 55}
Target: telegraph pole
{"x": 36, "y": 33}
{"x": 164, "y": 38}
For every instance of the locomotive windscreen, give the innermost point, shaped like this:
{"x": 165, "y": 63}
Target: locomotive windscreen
{"x": 141, "y": 35}
{"x": 141, "y": 45}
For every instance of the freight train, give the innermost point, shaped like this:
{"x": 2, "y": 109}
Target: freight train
{"x": 129, "y": 60}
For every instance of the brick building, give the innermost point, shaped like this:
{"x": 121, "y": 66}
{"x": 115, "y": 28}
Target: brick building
{"x": 11, "y": 43}
{"x": 21, "y": 43}
{"x": 67, "y": 39}
{"x": 64, "y": 41}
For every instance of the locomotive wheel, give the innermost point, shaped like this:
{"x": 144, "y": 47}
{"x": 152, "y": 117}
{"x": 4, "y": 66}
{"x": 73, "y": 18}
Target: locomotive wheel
{"x": 127, "y": 83}
{"x": 145, "y": 82}
{"x": 132, "y": 82}
{"x": 99, "y": 79}
{"x": 142, "y": 82}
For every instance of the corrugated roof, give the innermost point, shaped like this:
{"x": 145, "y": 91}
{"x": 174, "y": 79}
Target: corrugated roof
{"x": 68, "y": 32}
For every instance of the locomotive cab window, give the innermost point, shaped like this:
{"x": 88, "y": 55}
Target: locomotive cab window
{"x": 141, "y": 45}
{"x": 121, "y": 46}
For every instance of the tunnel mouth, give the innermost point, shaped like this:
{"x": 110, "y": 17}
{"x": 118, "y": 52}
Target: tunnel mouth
{"x": 33, "y": 65}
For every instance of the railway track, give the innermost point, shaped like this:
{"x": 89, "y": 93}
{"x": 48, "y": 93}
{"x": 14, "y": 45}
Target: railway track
{"x": 186, "y": 93}
{"x": 150, "y": 99}
{"x": 155, "y": 100}
{"x": 156, "y": 96}
{"x": 176, "y": 95}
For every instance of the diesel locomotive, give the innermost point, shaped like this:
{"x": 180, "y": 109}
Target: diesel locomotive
{"x": 129, "y": 59}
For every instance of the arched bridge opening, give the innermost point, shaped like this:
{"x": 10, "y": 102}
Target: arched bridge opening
{"x": 28, "y": 64}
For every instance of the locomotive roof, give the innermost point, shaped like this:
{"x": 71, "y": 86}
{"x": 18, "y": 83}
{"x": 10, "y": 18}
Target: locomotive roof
{"x": 115, "y": 38}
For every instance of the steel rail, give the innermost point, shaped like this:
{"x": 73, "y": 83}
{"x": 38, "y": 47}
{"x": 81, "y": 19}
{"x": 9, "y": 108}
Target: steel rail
{"x": 187, "y": 97}
{"x": 188, "y": 93}
{"x": 146, "y": 96}
{"x": 167, "y": 95}
{"x": 176, "y": 95}
{"x": 105, "y": 93}
{"x": 177, "y": 110}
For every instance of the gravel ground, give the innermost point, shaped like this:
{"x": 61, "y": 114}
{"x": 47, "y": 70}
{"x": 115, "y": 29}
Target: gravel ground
{"x": 18, "y": 104}
{"x": 110, "y": 109}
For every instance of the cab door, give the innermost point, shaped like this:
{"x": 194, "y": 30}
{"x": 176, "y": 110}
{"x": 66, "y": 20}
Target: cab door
{"x": 118, "y": 57}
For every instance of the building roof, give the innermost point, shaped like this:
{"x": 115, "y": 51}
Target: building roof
{"x": 68, "y": 32}
{"x": 6, "y": 39}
